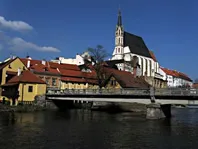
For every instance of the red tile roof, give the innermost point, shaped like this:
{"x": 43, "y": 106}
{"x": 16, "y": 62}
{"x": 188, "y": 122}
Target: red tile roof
{"x": 153, "y": 55}
{"x": 26, "y": 77}
{"x": 177, "y": 74}
{"x": 64, "y": 66}
{"x": 70, "y": 73}
{"x": 40, "y": 68}
{"x": 32, "y": 62}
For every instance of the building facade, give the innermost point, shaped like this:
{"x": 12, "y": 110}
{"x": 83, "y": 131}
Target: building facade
{"x": 129, "y": 47}
{"x": 177, "y": 79}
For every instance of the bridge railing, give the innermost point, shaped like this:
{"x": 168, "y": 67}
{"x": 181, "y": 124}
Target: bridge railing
{"x": 128, "y": 91}
{"x": 176, "y": 92}
{"x": 102, "y": 91}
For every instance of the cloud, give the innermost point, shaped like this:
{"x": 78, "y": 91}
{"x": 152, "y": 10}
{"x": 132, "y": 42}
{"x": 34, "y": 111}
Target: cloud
{"x": 15, "y": 25}
{"x": 20, "y": 44}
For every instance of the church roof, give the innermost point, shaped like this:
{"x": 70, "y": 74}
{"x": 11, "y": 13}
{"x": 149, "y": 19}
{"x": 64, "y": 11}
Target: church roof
{"x": 136, "y": 44}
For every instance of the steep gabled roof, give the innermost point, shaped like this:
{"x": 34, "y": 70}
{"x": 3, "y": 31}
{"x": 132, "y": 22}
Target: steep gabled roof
{"x": 126, "y": 79}
{"x": 136, "y": 44}
{"x": 25, "y": 77}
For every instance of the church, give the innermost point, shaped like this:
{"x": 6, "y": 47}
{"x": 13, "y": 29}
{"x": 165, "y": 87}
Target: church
{"x": 130, "y": 48}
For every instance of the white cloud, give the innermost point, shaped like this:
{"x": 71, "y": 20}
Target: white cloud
{"x": 15, "y": 25}
{"x": 20, "y": 44}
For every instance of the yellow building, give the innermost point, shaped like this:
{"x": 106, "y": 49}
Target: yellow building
{"x": 23, "y": 88}
{"x": 9, "y": 69}
{"x": 78, "y": 83}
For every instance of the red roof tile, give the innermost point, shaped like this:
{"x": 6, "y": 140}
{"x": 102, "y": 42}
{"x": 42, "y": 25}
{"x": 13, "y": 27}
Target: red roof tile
{"x": 26, "y": 77}
{"x": 40, "y": 68}
{"x": 64, "y": 66}
{"x": 70, "y": 73}
{"x": 32, "y": 62}
{"x": 176, "y": 74}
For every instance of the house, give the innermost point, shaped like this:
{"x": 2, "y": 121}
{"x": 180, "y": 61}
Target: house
{"x": 118, "y": 79}
{"x": 177, "y": 79}
{"x": 78, "y": 60}
{"x": 61, "y": 75}
{"x": 42, "y": 69}
{"x": 76, "y": 79}
{"x": 23, "y": 88}
{"x": 129, "y": 47}
{"x": 9, "y": 68}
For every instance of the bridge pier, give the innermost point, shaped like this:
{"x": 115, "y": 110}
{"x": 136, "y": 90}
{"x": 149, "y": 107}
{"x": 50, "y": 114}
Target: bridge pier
{"x": 157, "y": 111}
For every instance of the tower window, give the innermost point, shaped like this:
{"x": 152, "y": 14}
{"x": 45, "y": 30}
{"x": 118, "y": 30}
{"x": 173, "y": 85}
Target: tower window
{"x": 118, "y": 50}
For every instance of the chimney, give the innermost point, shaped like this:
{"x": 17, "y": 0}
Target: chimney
{"x": 19, "y": 72}
{"x": 28, "y": 63}
{"x": 43, "y": 62}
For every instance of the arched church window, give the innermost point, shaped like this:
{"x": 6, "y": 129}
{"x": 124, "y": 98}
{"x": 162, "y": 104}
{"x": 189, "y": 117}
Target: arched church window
{"x": 118, "y": 50}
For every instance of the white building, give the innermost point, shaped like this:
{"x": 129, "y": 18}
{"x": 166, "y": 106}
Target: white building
{"x": 78, "y": 60}
{"x": 177, "y": 79}
{"x": 128, "y": 46}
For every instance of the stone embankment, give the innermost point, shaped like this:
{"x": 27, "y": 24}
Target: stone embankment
{"x": 40, "y": 104}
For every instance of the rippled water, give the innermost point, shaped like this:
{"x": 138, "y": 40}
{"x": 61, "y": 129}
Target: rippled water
{"x": 78, "y": 129}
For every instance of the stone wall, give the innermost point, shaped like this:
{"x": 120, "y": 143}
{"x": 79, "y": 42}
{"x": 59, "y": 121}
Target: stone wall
{"x": 42, "y": 102}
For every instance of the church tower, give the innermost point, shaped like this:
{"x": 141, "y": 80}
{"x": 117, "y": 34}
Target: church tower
{"x": 119, "y": 34}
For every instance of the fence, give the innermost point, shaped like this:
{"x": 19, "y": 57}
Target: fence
{"x": 128, "y": 91}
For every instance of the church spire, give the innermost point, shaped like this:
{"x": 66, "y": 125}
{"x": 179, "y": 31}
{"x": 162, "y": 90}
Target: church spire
{"x": 119, "y": 18}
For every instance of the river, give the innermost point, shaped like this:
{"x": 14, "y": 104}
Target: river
{"x": 78, "y": 129}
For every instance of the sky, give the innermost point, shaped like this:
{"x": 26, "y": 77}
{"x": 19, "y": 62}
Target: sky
{"x": 46, "y": 29}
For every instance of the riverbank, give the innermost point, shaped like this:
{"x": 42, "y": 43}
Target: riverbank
{"x": 21, "y": 108}
{"x": 101, "y": 106}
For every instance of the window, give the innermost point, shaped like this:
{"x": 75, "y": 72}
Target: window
{"x": 47, "y": 81}
{"x": 118, "y": 50}
{"x": 113, "y": 82}
{"x": 30, "y": 88}
{"x": 54, "y": 81}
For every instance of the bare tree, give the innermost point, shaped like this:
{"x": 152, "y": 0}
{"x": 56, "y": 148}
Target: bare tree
{"x": 98, "y": 56}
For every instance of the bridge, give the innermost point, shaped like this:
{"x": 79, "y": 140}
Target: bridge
{"x": 156, "y": 99}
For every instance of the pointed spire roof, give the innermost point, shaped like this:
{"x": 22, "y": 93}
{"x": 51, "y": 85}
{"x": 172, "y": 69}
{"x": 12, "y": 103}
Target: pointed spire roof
{"x": 119, "y": 23}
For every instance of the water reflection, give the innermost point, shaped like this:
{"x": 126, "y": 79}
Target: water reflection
{"x": 86, "y": 129}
